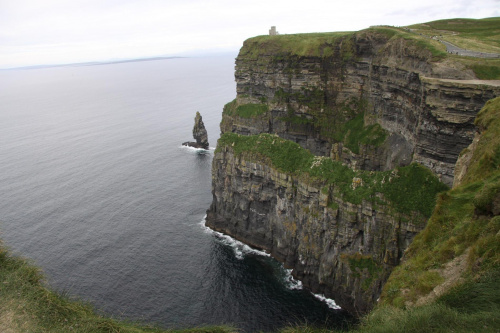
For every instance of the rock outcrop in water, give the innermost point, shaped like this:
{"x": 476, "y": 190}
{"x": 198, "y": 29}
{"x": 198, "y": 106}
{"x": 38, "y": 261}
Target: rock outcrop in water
{"x": 199, "y": 134}
{"x": 370, "y": 108}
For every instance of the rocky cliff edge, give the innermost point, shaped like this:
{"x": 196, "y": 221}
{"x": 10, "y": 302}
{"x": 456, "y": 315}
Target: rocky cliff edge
{"x": 333, "y": 152}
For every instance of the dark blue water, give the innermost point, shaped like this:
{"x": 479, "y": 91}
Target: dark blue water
{"x": 96, "y": 189}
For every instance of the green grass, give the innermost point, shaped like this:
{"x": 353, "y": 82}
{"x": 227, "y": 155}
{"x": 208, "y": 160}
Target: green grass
{"x": 28, "y": 306}
{"x": 359, "y": 263}
{"x": 486, "y": 159}
{"x": 481, "y": 294}
{"x": 430, "y": 318}
{"x": 312, "y": 44}
{"x": 417, "y": 183}
{"x": 356, "y": 134}
{"x": 485, "y": 69}
{"x": 250, "y": 110}
{"x": 474, "y": 34}
{"x": 474, "y": 27}
{"x": 435, "y": 318}
{"x": 346, "y": 124}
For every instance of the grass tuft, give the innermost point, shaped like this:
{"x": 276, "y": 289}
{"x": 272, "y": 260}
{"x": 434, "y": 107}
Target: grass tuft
{"x": 250, "y": 110}
{"x": 486, "y": 72}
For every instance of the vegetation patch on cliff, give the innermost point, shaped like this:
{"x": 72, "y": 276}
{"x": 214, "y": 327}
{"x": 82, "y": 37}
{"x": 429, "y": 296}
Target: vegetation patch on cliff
{"x": 462, "y": 220}
{"x": 361, "y": 264}
{"x": 356, "y": 134}
{"x": 249, "y": 110}
{"x": 486, "y": 158}
{"x": 487, "y": 69}
{"x": 410, "y": 189}
{"x": 344, "y": 124}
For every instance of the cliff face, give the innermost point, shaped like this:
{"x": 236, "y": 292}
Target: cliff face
{"x": 343, "y": 250}
{"x": 426, "y": 113}
{"x": 364, "y": 101}
{"x": 461, "y": 239}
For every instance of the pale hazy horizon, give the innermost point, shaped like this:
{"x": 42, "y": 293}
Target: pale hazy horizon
{"x": 48, "y": 32}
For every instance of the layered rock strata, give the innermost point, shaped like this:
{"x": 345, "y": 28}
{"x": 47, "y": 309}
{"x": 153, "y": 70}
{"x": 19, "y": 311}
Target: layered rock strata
{"x": 427, "y": 109}
{"x": 342, "y": 250}
{"x": 365, "y": 100}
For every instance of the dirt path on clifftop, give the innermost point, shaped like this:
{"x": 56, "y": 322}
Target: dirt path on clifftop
{"x": 453, "y": 49}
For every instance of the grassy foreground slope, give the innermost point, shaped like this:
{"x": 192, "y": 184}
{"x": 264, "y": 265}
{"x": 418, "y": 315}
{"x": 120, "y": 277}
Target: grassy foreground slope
{"x": 26, "y": 305}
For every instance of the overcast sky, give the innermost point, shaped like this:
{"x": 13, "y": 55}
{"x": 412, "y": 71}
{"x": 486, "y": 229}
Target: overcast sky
{"x": 65, "y": 31}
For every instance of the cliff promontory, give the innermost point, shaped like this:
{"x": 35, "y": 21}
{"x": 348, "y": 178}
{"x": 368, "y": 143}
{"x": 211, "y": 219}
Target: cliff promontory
{"x": 333, "y": 152}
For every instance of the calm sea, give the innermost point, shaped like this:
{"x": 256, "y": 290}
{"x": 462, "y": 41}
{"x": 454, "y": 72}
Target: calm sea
{"x": 96, "y": 189}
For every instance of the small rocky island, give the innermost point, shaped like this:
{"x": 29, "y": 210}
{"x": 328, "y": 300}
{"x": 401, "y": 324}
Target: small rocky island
{"x": 199, "y": 134}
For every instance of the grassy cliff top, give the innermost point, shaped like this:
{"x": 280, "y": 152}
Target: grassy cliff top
{"x": 482, "y": 35}
{"x": 324, "y": 44}
{"x": 474, "y": 34}
{"x": 311, "y": 44}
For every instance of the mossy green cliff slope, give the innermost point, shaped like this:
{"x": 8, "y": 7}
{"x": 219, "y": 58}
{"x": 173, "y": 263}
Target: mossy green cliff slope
{"x": 335, "y": 148}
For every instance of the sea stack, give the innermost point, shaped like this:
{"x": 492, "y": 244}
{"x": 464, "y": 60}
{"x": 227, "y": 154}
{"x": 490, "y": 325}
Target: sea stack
{"x": 199, "y": 134}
